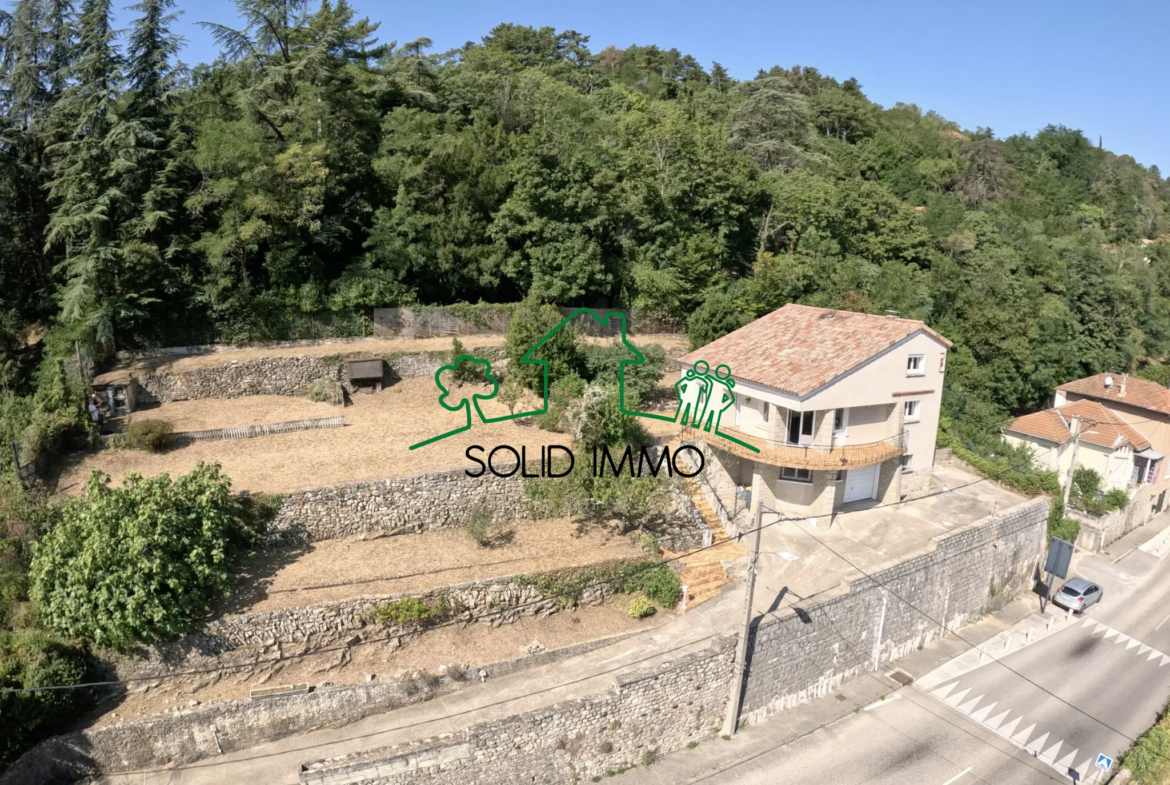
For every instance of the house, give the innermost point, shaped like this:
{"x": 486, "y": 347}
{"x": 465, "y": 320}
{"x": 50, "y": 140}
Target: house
{"x": 1108, "y": 445}
{"x": 1144, "y": 406}
{"x": 842, "y": 407}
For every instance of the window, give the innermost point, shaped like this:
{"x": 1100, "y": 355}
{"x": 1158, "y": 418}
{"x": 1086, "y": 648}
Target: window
{"x": 795, "y": 475}
{"x": 916, "y": 365}
{"x": 910, "y": 411}
{"x": 907, "y": 462}
{"x": 840, "y": 421}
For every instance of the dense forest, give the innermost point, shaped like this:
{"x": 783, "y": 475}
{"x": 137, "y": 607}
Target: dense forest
{"x": 313, "y": 172}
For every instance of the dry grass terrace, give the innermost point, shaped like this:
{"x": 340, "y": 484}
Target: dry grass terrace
{"x": 373, "y": 445}
{"x": 334, "y": 570}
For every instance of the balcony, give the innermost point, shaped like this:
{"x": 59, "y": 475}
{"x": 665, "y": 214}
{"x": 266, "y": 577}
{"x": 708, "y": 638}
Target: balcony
{"x": 813, "y": 456}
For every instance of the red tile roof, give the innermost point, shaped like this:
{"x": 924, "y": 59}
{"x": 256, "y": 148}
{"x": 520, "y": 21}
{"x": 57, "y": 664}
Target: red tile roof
{"x": 1100, "y": 426}
{"x": 798, "y": 348}
{"x": 1138, "y": 392}
{"x": 912, "y": 392}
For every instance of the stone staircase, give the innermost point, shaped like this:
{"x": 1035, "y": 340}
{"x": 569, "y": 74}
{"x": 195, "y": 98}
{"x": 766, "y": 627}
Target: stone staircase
{"x": 702, "y": 573}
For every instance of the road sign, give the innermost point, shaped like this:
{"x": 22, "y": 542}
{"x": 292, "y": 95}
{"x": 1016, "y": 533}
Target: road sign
{"x": 1104, "y": 762}
{"x": 1059, "y": 556}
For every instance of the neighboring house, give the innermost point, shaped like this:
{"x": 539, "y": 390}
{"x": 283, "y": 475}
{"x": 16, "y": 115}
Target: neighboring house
{"x": 1108, "y": 445}
{"x": 1144, "y": 406}
{"x": 843, "y": 407}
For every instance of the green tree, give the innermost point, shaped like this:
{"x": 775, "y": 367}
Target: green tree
{"x": 31, "y": 659}
{"x": 715, "y": 318}
{"x": 531, "y": 322}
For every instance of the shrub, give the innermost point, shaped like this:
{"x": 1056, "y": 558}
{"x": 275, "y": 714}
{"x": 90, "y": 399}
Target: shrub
{"x": 465, "y": 372}
{"x": 413, "y": 612}
{"x": 34, "y": 658}
{"x": 1116, "y": 499}
{"x": 596, "y": 419}
{"x": 324, "y": 390}
{"x": 531, "y": 321}
{"x": 650, "y": 756}
{"x": 483, "y": 527}
{"x": 715, "y": 318}
{"x": 604, "y": 366}
{"x": 649, "y": 543}
{"x": 640, "y": 607}
{"x": 563, "y": 393}
{"x": 510, "y": 393}
{"x": 661, "y": 585}
{"x": 140, "y": 562}
{"x": 153, "y": 435}
{"x": 1065, "y": 529}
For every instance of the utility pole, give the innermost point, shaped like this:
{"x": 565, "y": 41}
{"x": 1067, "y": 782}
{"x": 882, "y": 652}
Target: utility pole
{"x": 731, "y": 720}
{"x": 1072, "y": 468}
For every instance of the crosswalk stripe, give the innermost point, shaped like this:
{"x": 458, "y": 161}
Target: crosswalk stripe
{"x": 1165, "y": 660}
{"x": 1132, "y": 643}
{"x": 1022, "y": 736}
{"x": 1155, "y": 654}
{"x": 1084, "y": 767}
{"x": 1066, "y": 762}
{"x": 1120, "y": 638}
{"x": 1143, "y": 649}
{"x": 1100, "y": 627}
{"x": 1109, "y": 633}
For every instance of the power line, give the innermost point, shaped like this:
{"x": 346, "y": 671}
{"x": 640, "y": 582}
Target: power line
{"x": 453, "y": 622}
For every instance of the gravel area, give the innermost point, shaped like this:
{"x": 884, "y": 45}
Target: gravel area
{"x": 342, "y": 569}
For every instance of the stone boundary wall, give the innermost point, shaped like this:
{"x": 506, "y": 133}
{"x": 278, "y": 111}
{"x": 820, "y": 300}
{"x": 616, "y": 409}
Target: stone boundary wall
{"x": 420, "y": 502}
{"x": 660, "y": 708}
{"x": 968, "y": 573}
{"x": 215, "y": 729}
{"x": 1098, "y": 533}
{"x": 181, "y": 438}
{"x": 506, "y": 598}
{"x": 793, "y": 660}
{"x": 284, "y": 375}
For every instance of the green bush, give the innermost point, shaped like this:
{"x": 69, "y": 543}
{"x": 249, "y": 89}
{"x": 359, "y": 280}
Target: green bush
{"x": 603, "y": 364}
{"x": 562, "y": 395}
{"x": 1065, "y": 529}
{"x": 596, "y": 419}
{"x": 153, "y": 435}
{"x": 640, "y": 607}
{"x": 715, "y": 318}
{"x": 661, "y": 585}
{"x": 324, "y": 390}
{"x": 1116, "y": 499}
{"x": 1149, "y": 758}
{"x": 34, "y": 658}
{"x": 649, "y": 543}
{"x": 465, "y": 372}
{"x": 140, "y": 562}
{"x": 413, "y": 612}
{"x": 531, "y": 321}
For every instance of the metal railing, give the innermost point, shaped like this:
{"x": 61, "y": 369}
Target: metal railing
{"x": 816, "y": 457}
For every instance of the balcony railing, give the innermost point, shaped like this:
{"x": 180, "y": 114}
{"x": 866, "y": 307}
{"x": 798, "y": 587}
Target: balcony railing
{"x": 813, "y": 456}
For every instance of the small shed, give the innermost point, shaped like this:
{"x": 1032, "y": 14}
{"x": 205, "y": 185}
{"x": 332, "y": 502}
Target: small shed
{"x": 119, "y": 389}
{"x": 366, "y": 371}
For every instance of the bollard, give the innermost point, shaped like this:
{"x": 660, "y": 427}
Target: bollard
{"x": 1028, "y": 637}
{"x": 1007, "y": 644}
{"x": 1048, "y": 625}
{"x": 1068, "y": 615}
{"x": 981, "y": 656}
{"x": 683, "y": 589}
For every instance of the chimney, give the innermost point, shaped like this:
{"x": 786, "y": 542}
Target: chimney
{"x": 893, "y": 314}
{"x": 1121, "y": 393}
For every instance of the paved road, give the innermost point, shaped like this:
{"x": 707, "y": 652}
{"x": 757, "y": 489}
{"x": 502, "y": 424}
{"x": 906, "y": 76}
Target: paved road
{"x": 1040, "y": 714}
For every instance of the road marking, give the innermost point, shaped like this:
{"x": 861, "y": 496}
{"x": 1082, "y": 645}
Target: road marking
{"x": 958, "y": 776}
{"x": 1162, "y": 622}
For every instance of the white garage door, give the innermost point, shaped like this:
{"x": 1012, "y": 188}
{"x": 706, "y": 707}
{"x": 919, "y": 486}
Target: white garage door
{"x": 859, "y": 483}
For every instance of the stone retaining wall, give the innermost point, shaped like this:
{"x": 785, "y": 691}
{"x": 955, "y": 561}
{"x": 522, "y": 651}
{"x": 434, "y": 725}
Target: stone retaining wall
{"x": 1098, "y": 533}
{"x": 418, "y": 503}
{"x": 215, "y": 729}
{"x": 796, "y": 659}
{"x": 655, "y": 711}
{"x": 969, "y": 573}
{"x": 503, "y": 600}
{"x": 283, "y": 375}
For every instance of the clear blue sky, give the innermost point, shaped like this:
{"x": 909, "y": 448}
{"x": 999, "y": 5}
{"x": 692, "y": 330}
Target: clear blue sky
{"x": 1014, "y": 66}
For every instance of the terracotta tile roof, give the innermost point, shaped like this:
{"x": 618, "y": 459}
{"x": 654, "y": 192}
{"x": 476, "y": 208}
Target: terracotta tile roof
{"x": 912, "y": 392}
{"x": 798, "y": 348}
{"x": 1138, "y": 392}
{"x": 1101, "y": 426}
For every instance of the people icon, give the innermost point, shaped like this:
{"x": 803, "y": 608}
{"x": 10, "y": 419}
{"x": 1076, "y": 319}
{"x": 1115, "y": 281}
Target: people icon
{"x": 719, "y": 398}
{"x": 692, "y": 394}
